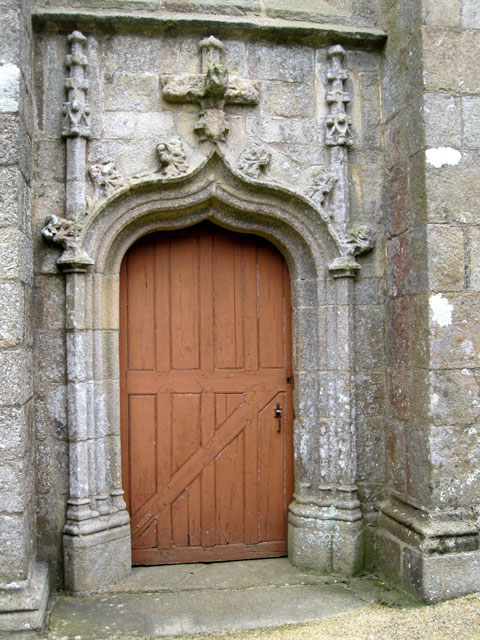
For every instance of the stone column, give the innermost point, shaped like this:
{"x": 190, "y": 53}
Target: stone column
{"x": 97, "y": 534}
{"x": 23, "y": 580}
{"x": 325, "y": 521}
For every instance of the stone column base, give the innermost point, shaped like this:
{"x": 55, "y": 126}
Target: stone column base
{"x": 23, "y": 604}
{"x": 434, "y": 556}
{"x": 97, "y": 560}
{"x": 325, "y": 539}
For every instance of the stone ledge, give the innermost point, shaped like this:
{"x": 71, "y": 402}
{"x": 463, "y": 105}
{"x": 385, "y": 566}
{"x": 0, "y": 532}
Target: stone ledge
{"x": 23, "y": 606}
{"x": 279, "y": 30}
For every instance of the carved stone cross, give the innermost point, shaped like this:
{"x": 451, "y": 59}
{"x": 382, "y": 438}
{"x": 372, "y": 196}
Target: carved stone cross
{"x": 212, "y": 89}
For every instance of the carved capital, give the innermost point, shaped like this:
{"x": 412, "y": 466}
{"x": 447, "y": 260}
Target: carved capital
{"x": 254, "y": 161}
{"x": 76, "y": 111}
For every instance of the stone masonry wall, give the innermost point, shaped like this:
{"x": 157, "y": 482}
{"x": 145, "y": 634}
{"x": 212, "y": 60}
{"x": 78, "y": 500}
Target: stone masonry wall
{"x": 129, "y": 118}
{"x": 431, "y": 104}
{"x": 17, "y": 505}
{"x": 407, "y": 299}
{"x": 451, "y": 54}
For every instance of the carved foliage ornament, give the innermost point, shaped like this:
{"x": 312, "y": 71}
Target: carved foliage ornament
{"x": 254, "y": 161}
{"x": 106, "y": 178}
{"x": 212, "y": 89}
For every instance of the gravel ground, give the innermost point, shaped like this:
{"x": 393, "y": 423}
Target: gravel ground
{"x": 457, "y": 619}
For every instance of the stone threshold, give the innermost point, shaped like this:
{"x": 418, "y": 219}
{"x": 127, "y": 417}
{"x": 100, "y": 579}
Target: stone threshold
{"x": 172, "y": 600}
{"x": 278, "y": 30}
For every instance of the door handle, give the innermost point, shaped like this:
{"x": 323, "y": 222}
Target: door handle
{"x": 278, "y": 416}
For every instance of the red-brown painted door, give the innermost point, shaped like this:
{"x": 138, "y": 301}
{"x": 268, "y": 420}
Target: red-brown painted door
{"x": 205, "y": 358}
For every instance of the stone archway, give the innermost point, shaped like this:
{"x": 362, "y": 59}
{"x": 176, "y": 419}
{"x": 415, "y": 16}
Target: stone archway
{"x": 325, "y": 520}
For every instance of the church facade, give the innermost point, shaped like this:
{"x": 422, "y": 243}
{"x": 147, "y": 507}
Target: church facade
{"x": 240, "y": 286}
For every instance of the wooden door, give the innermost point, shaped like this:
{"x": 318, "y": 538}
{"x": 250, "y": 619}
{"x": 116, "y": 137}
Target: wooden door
{"x": 205, "y": 368}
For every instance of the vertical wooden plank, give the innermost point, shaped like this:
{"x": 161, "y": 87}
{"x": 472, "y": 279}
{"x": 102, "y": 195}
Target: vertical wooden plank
{"x": 250, "y": 306}
{"x": 162, "y": 302}
{"x": 238, "y": 302}
{"x": 184, "y": 303}
{"x": 185, "y": 427}
{"x": 142, "y": 423}
{"x": 208, "y": 475}
{"x": 207, "y": 338}
{"x": 164, "y": 439}
{"x": 251, "y": 482}
{"x": 272, "y": 475}
{"x": 140, "y": 306}
{"x": 288, "y": 450}
{"x": 180, "y": 521}
{"x": 234, "y": 400}
{"x": 271, "y": 307}
{"x": 224, "y": 303}
{"x": 123, "y": 344}
{"x": 195, "y": 513}
{"x": 220, "y": 408}
{"x": 229, "y": 482}
{"x": 287, "y": 315}
{"x": 164, "y": 528}
{"x": 289, "y": 416}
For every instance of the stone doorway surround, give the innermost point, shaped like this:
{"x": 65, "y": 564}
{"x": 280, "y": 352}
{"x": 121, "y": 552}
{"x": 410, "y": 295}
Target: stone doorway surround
{"x": 319, "y": 245}
{"x": 325, "y": 528}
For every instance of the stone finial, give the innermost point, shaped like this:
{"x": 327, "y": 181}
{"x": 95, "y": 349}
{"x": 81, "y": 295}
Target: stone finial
{"x": 338, "y": 121}
{"x": 76, "y": 111}
{"x": 211, "y": 53}
{"x": 172, "y": 157}
{"x": 254, "y": 161}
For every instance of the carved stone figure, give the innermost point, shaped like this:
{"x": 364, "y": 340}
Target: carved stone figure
{"x": 212, "y": 90}
{"x": 105, "y": 178}
{"x": 323, "y": 182}
{"x": 61, "y": 231}
{"x": 172, "y": 157}
{"x": 254, "y": 161}
{"x": 359, "y": 239}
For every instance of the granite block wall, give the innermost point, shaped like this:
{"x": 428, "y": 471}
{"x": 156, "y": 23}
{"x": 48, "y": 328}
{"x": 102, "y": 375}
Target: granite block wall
{"x": 431, "y": 82}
